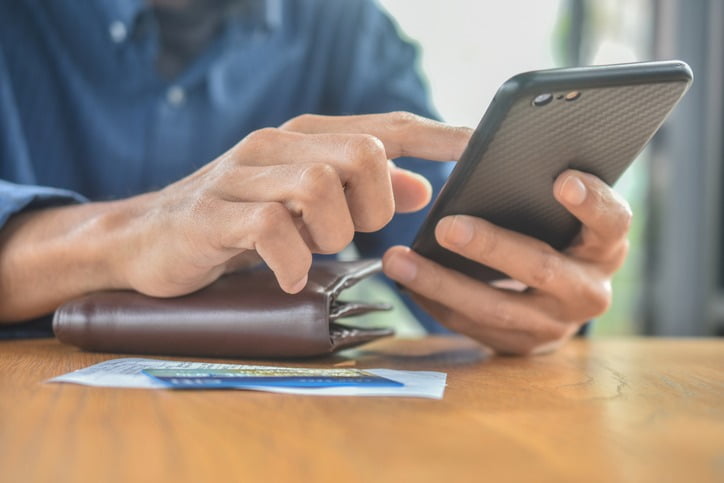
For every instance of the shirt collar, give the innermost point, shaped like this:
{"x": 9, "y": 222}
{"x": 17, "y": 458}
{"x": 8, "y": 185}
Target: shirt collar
{"x": 126, "y": 11}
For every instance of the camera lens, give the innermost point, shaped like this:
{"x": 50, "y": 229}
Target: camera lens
{"x": 542, "y": 99}
{"x": 573, "y": 95}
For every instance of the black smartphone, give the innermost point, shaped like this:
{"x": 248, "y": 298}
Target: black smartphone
{"x": 593, "y": 119}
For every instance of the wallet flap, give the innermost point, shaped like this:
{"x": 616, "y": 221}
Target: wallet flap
{"x": 356, "y": 271}
{"x": 342, "y": 309}
{"x": 345, "y": 337}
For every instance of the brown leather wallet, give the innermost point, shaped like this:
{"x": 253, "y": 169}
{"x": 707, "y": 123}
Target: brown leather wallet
{"x": 243, "y": 314}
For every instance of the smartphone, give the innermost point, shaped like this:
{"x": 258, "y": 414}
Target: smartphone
{"x": 593, "y": 119}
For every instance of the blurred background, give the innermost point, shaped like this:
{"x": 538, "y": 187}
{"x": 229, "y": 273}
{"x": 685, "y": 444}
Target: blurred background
{"x": 673, "y": 280}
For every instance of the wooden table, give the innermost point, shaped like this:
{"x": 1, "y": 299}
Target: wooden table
{"x": 601, "y": 410}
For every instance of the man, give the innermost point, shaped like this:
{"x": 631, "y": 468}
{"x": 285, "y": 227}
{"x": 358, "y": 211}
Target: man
{"x": 112, "y": 111}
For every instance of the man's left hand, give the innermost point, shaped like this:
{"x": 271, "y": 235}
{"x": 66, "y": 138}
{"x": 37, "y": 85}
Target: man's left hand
{"x": 556, "y": 293}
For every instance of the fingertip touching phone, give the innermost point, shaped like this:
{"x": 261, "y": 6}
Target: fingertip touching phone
{"x": 594, "y": 119}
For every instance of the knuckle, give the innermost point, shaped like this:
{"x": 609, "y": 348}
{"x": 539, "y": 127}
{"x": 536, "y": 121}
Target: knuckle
{"x": 299, "y": 123}
{"x": 376, "y": 220}
{"x": 367, "y": 151}
{"x": 402, "y": 121}
{"x": 257, "y": 140}
{"x": 402, "y": 126}
{"x": 368, "y": 161}
{"x": 597, "y": 298}
{"x": 625, "y": 218}
{"x": 269, "y": 219}
{"x": 546, "y": 269}
{"x": 343, "y": 240}
{"x": 335, "y": 241}
{"x": 613, "y": 256}
{"x": 318, "y": 180}
{"x": 625, "y": 247}
{"x": 601, "y": 301}
{"x": 318, "y": 185}
{"x": 600, "y": 201}
{"x": 612, "y": 211}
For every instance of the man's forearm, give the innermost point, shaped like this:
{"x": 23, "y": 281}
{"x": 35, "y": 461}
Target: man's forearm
{"x": 51, "y": 255}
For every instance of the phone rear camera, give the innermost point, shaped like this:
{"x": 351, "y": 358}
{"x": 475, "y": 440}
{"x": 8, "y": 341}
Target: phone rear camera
{"x": 573, "y": 95}
{"x": 542, "y": 99}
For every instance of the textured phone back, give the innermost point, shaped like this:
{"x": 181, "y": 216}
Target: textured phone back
{"x": 601, "y": 132}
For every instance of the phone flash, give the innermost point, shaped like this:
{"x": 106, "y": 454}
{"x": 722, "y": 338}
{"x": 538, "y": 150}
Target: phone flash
{"x": 573, "y": 95}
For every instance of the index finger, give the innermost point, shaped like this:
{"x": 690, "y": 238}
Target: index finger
{"x": 402, "y": 133}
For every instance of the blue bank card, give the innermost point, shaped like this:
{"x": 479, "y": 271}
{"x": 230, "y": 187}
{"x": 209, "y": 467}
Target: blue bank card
{"x": 267, "y": 377}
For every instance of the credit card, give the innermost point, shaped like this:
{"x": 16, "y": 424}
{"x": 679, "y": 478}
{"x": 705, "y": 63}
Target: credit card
{"x": 266, "y": 377}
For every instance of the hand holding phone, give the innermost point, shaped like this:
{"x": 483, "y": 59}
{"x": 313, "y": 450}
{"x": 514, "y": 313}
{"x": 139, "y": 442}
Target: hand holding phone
{"x": 529, "y": 181}
{"x": 593, "y": 119}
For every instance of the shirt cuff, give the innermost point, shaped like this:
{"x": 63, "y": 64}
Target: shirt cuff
{"x": 15, "y": 198}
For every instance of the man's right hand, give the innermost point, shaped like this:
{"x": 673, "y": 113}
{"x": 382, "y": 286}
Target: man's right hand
{"x": 281, "y": 194}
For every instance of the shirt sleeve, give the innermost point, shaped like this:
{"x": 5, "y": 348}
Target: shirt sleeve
{"x": 17, "y": 190}
{"x": 15, "y": 198}
{"x": 378, "y": 72}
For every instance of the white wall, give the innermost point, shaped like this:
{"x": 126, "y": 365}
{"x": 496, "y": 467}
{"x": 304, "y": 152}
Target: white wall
{"x": 471, "y": 47}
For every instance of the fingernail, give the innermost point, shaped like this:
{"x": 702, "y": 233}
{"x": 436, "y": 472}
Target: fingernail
{"x": 401, "y": 268}
{"x": 573, "y": 191}
{"x": 456, "y": 230}
{"x": 297, "y": 287}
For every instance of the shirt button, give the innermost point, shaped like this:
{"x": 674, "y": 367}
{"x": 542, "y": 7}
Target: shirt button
{"x": 175, "y": 96}
{"x": 118, "y": 31}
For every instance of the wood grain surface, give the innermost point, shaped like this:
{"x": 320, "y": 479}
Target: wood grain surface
{"x": 599, "y": 410}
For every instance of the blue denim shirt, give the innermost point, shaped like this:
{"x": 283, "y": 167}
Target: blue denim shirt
{"x": 85, "y": 115}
